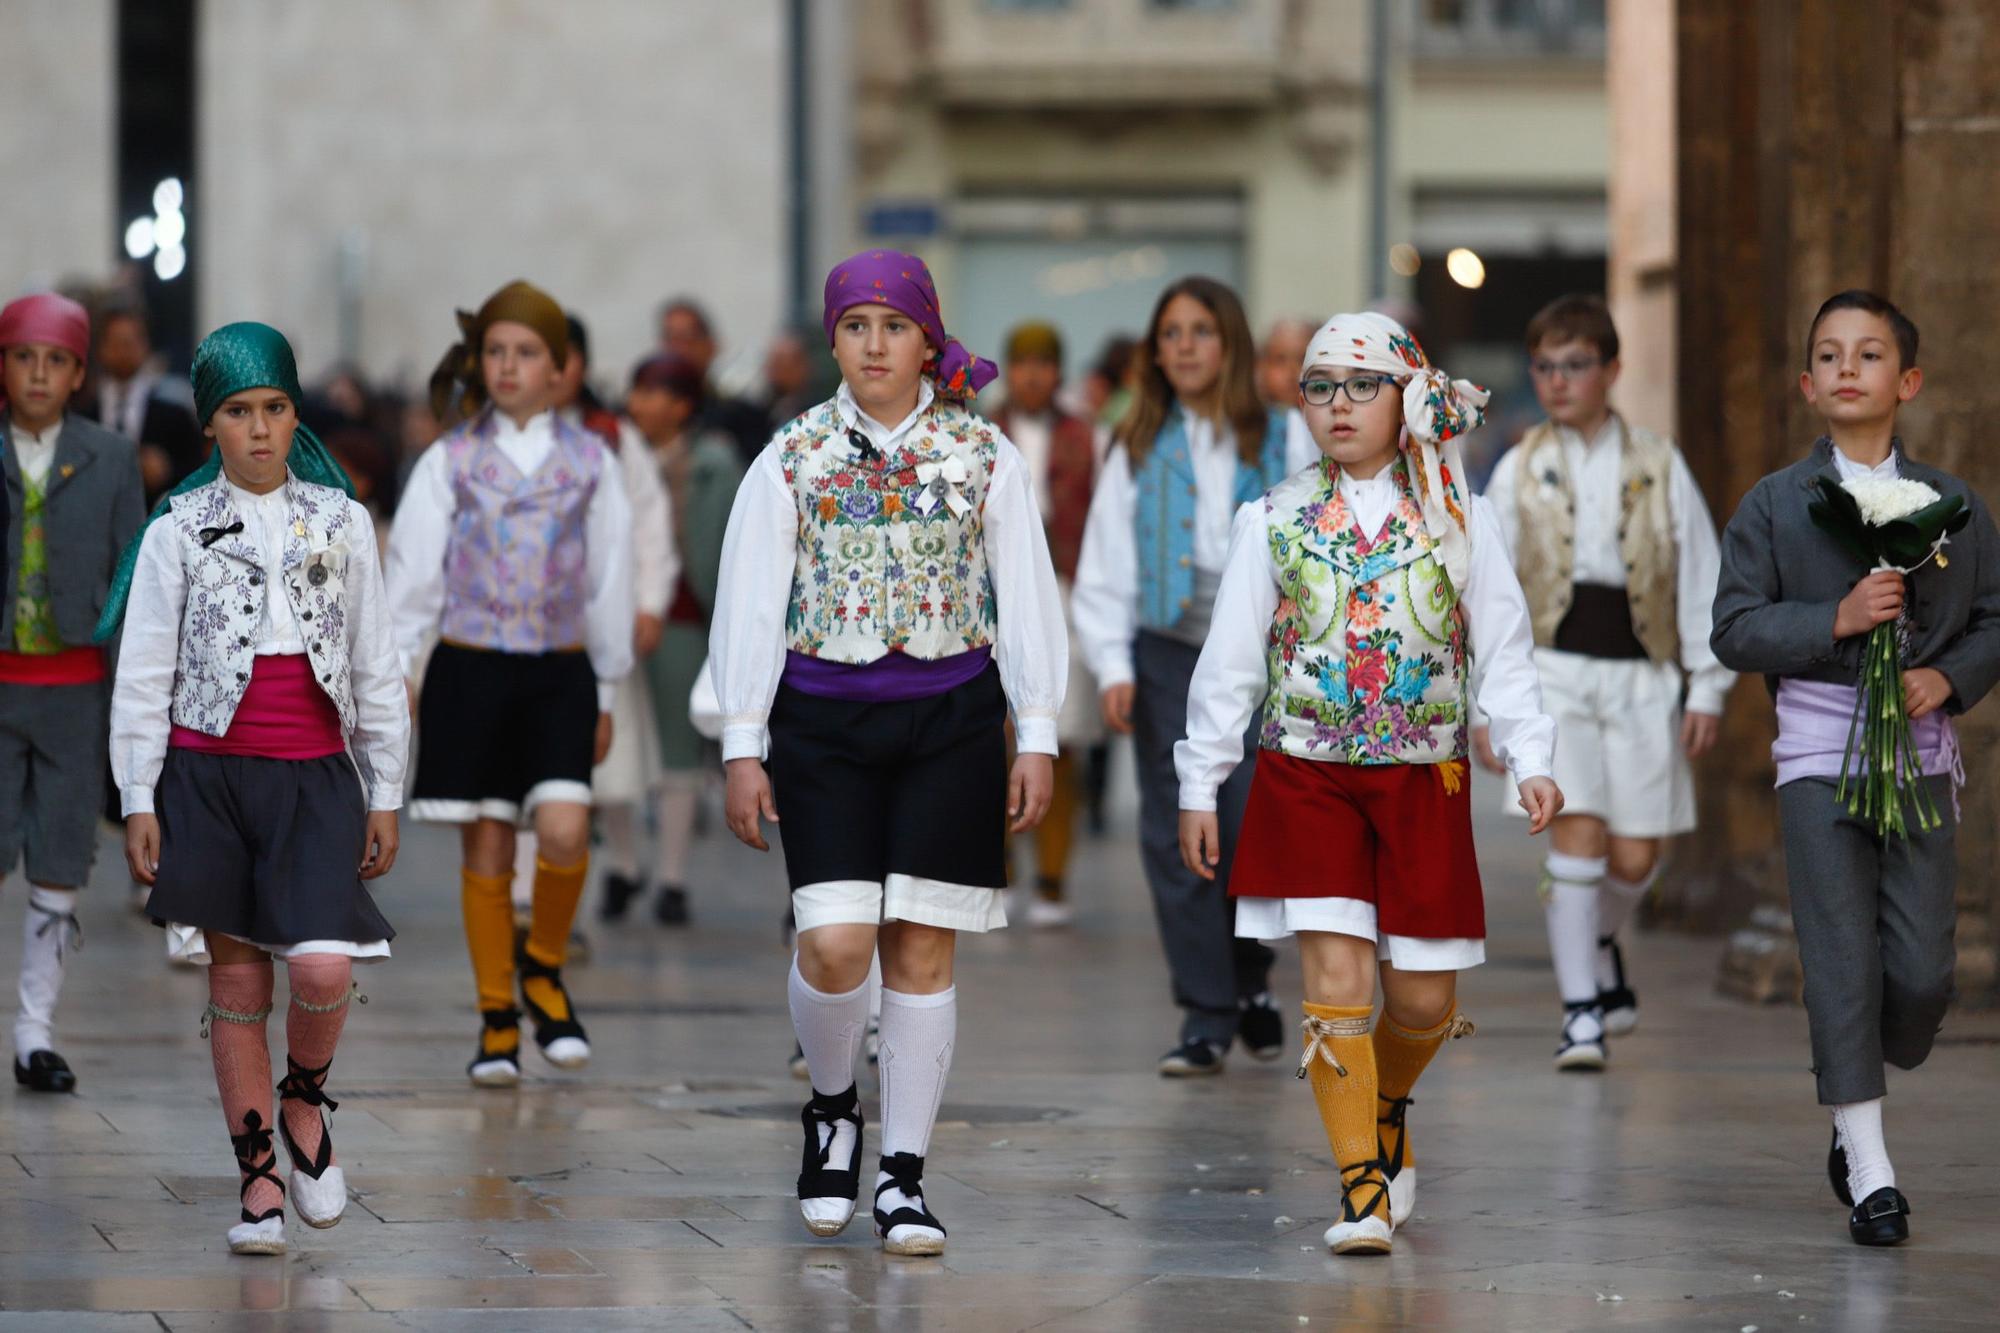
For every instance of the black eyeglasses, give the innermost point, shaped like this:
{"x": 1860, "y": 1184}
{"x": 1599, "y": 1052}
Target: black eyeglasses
{"x": 1320, "y": 391}
{"x": 1569, "y": 369}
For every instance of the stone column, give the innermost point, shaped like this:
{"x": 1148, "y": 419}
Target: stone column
{"x": 1827, "y": 144}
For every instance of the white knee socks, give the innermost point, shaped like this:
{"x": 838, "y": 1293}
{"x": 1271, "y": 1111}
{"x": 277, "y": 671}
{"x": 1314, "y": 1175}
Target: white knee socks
{"x": 674, "y": 807}
{"x": 48, "y": 934}
{"x": 618, "y": 821}
{"x": 1572, "y": 918}
{"x": 829, "y": 1028}
{"x": 918, "y": 1032}
{"x": 1616, "y": 902}
{"x": 1859, "y": 1125}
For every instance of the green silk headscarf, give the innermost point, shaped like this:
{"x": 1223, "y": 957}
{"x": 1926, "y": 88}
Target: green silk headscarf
{"x": 233, "y": 358}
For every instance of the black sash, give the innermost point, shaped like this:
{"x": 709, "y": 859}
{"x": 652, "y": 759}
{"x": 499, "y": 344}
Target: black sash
{"x": 1599, "y": 624}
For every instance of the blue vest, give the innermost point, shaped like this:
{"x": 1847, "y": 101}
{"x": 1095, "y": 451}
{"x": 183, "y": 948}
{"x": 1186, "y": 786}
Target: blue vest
{"x": 1165, "y": 516}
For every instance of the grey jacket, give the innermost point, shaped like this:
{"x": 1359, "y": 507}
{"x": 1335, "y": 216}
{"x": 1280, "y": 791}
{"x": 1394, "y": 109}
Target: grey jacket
{"x": 96, "y": 503}
{"x": 1782, "y": 581}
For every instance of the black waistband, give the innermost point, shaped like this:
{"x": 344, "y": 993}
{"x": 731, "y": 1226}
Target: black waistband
{"x": 1599, "y": 624}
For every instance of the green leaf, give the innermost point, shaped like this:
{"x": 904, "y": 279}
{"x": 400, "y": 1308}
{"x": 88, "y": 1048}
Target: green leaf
{"x": 1837, "y": 515}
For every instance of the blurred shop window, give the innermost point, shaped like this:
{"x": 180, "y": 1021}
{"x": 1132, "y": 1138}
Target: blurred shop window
{"x": 1511, "y": 27}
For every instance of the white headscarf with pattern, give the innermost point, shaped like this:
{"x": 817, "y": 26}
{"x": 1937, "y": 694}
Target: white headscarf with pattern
{"x": 1437, "y": 410}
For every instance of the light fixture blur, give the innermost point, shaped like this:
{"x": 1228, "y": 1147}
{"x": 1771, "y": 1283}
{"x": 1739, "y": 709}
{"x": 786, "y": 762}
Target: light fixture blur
{"x": 1466, "y": 268}
{"x": 168, "y": 196}
{"x": 170, "y": 229}
{"x": 1404, "y": 259}
{"x": 169, "y": 262}
{"x": 139, "y": 238}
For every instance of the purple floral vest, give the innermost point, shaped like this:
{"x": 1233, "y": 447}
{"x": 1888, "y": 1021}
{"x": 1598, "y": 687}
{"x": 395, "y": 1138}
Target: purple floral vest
{"x": 514, "y": 569}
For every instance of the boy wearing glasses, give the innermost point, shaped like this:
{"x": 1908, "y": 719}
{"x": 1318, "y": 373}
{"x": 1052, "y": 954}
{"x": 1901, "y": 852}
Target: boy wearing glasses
{"x": 1617, "y": 556}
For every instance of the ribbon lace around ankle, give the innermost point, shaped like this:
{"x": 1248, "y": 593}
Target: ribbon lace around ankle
{"x": 306, "y": 1085}
{"x": 256, "y": 1158}
{"x": 68, "y": 930}
{"x": 1319, "y": 1031}
{"x": 214, "y": 1010}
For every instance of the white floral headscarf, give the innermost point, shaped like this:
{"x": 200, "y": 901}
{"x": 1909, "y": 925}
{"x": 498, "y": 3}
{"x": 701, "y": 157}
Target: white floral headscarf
{"x": 1437, "y": 410}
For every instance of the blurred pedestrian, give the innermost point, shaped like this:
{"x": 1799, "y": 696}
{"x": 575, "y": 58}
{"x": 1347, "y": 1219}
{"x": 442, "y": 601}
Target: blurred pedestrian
{"x": 701, "y": 471}
{"x": 131, "y": 397}
{"x": 790, "y": 369}
{"x": 687, "y": 332}
{"x": 1059, "y": 452}
{"x": 1195, "y": 444}
{"x": 1279, "y": 357}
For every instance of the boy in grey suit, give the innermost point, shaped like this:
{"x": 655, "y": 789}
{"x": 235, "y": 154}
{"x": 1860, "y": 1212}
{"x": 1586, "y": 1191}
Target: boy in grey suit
{"x": 74, "y": 498}
{"x": 1874, "y": 914}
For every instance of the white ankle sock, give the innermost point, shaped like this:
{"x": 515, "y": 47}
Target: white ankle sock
{"x": 1860, "y": 1127}
{"x": 1616, "y": 902}
{"x": 1571, "y": 910}
{"x": 829, "y": 1028}
{"x": 918, "y": 1033}
{"x": 618, "y": 821}
{"x": 48, "y": 935}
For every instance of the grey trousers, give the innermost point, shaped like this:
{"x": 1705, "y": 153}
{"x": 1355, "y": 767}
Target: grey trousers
{"x": 52, "y": 748}
{"x": 1211, "y": 968}
{"x": 1874, "y": 918}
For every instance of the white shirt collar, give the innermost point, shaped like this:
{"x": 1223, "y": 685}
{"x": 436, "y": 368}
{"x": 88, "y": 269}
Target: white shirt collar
{"x": 539, "y": 424}
{"x": 23, "y": 438}
{"x": 251, "y": 500}
{"x": 1850, "y": 469}
{"x": 1612, "y": 432}
{"x": 883, "y": 437}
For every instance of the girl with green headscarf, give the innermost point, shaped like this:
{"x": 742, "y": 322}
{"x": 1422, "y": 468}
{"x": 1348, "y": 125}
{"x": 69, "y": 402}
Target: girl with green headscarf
{"x": 259, "y": 733}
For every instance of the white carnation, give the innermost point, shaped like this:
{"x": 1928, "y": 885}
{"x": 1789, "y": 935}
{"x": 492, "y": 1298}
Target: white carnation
{"x": 1886, "y": 499}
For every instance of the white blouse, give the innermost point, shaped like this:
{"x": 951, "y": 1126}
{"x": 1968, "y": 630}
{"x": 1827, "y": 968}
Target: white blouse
{"x": 1106, "y": 596}
{"x": 747, "y": 640}
{"x": 1230, "y": 680}
{"x": 1595, "y": 471}
{"x": 422, "y": 531}
{"x": 149, "y": 651}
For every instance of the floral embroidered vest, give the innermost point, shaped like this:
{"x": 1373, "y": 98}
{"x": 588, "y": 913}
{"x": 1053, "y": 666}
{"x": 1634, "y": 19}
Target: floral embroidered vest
{"x": 1367, "y": 656}
{"x": 226, "y": 588}
{"x": 514, "y": 568}
{"x": 34, "y": 610}
{"x": 1545, "y": 500}
{"x": 892, "y": 552}
{"x": 1163, "y": 518}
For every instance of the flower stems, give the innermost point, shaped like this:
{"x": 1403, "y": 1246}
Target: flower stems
{"x": 1891, "y": 773}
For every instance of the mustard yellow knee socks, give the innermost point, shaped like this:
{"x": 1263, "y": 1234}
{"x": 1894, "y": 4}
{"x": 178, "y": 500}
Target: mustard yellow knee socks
{"x": 558, "y": 890}
{"x": 1339, "y": 1061}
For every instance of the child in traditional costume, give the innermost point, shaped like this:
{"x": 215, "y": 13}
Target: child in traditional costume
{"x": 512, "y": 543}
{"x": 1617, "y": 556}
{"x": 76, "y": 498}
{"x": 1356, "y": 595}
{"x": 1196, "y": 443}
{"x": 885, "y": 597}
{"x": 1874, "y": 912}
{"x": 258, "y": 736}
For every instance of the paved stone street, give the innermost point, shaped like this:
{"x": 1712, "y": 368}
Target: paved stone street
{"x": 1683, "y": 1190}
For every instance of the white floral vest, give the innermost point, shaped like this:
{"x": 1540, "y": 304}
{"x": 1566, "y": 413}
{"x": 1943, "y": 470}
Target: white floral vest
{"x": 226, "y": 591}
{"x": 891, "y": 553}
{"x": 1366, "y": 656}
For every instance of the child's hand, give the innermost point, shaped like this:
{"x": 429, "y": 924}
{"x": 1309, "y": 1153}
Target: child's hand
{"x": 1543, "y": 801}
{"x": 142, "y": 848}
{"x": 746, "y": 797}
{"x": 1116, "y": 703}
{"x": 1201, "y": 842}
{"x": 1482, "y": 750}
{"x": 1698, "y": 733}
{"x": 646, "y": 633}
{"x": 1925, "y": 690}
{"x": 1029, "y": 788}
{"x": 1877, "y": 598}
{"x": 380, "y": 844}
{"x": 603, "y": 742}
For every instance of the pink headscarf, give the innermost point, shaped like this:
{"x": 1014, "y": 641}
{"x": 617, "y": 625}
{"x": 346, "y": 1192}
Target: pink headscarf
{"x": 46, "y": 318}
{"x": 902, "y": 282}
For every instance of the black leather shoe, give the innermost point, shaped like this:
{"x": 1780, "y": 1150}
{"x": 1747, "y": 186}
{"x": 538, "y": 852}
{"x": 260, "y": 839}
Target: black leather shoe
{"x": 1260, "y": 1027}
{"x": 670, "y": 908}
{"x": 1880, "y": 1219}
{"x": 619, "y": 891}
{"x": 1836, "y": 1171}
{"x": 45, "y": 1072}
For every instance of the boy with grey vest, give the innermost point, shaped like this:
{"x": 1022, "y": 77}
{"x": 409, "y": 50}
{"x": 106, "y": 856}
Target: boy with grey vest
{"x": 1616, "y": 552}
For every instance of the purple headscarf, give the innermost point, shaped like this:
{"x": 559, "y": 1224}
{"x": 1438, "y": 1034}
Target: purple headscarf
{"x": 901, "y": 282}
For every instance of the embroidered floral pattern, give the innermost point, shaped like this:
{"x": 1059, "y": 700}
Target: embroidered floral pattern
{"x": 34, "y": 609}
{"x": 885, "y": 563}
{"x": 515, "y": 566}
{"x": 1366, "y": 656}
{"x": 225, "y": 600}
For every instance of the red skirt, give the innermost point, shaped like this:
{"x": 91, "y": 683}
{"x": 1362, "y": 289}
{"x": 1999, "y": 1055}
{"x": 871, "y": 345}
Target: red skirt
{"x": 1395, "y": 835}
